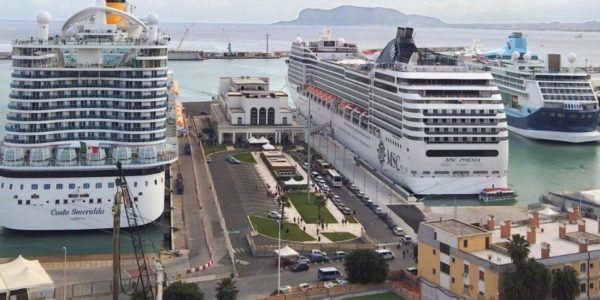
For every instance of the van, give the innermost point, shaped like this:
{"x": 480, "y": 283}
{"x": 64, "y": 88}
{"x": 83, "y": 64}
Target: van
{"x": 386, "y": 254}
{"x": 330, "y": 273}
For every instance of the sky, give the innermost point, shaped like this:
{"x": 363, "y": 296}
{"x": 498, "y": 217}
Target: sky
{"x": 270, "y": 11}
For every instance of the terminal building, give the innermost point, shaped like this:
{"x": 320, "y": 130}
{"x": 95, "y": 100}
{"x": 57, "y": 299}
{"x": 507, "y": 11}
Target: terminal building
{"x": 458, "y": 260}
{"x": 246, "y": 108}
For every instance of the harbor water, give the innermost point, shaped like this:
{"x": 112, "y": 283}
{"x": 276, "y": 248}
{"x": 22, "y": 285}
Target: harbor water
{"x": 535, "y": 167}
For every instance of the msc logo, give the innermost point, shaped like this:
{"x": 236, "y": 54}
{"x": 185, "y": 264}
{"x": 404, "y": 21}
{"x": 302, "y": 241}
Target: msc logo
{"x": 381, "y": 152}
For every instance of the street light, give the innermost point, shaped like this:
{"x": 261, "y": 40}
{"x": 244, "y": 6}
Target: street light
{"x": 279, "y": 255}
{"x": 65, "y": 275}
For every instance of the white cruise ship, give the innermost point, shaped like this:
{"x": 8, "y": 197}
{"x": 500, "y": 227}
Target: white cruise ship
{"x": 82, "y": 98}
{"x": 421, "y": 118}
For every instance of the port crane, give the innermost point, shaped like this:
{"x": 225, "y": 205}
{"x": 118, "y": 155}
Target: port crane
{"x": 187, "y": 30}
{"x": 124, "y": 195}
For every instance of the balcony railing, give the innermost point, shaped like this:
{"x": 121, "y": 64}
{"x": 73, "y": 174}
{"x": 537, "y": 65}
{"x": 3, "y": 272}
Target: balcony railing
{"x": 75, "y": 74}
{"x": 158, "y": 117}
{"x": 64, "y": 128}
{"x": 54, "y": 107}
{"x": 85, "y": 86}
{"x": 76, "y": 138}
{"x": 94, "y": 96}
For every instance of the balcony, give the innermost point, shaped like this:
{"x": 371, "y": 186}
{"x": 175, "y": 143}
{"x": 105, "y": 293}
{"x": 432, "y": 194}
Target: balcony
{"x": 99, "y": 74}
{"x": 76, "y": 138}
{"x": 54, "y": 107}
{"x": 86, "y": 86}
{"x": 93, "y": 96}
{"x": 65, "y": 128}
{"x": 158, "y": 117}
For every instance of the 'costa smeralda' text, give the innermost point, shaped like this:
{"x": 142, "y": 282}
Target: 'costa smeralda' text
{"x": 77, "y": 212}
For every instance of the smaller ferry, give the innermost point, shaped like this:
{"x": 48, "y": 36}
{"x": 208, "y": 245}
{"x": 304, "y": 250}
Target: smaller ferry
{"x": 495, "y": 194}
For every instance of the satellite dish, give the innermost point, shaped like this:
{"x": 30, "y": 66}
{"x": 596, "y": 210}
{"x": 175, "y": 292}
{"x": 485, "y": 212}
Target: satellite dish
{"x": 515, "y": 55}
{"x": 298, "y": 39}
{"x": 571, "y": 58}
{"x": 44, "y": 18}
{"x": 341, "y": 41}
{"x": 527, "y": 56}
{"x": 152, "y": 19}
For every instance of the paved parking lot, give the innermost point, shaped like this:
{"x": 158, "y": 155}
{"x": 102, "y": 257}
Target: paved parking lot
{"x": 251, "y": 187}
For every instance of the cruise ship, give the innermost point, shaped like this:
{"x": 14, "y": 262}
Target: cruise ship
{"x": 84, "y": 97}
{"x": 421, "y": 118}
{"x": 543, "y": 101}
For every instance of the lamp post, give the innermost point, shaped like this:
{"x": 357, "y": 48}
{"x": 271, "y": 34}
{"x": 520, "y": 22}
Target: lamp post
{"x": 278, "y": 255}
{"x": 65, "y": 275}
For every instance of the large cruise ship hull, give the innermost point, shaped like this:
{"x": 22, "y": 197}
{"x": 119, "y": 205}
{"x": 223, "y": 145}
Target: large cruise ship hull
{"x": 54, "y": 205}
{"x": 366, "y": 146}
{"x": 556, "y": 125}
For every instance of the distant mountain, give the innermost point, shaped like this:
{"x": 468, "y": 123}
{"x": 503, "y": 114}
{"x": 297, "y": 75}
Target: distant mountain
{"x": 354, "y": 15}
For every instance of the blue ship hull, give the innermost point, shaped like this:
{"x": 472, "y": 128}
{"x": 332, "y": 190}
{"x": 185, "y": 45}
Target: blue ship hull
{"x": 556, "y": 124}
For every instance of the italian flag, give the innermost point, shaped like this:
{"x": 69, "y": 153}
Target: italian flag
{"x": 85, "y": 148}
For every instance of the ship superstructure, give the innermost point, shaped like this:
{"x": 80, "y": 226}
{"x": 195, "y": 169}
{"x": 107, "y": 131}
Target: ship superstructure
{"x": 543, "y": 100}
{"x": 421, "y": 118}
{"x": 94, "y": 94}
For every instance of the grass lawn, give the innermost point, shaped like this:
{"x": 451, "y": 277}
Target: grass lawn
{"x": 208, "y": 149}
{"x": 245, "y": 157}
{"x": 339, "y": 236}
{"x": 384, "y": 296}
{"x": 351, "y": 219}
{"x": 289, "y": 232}
{"x": 309, "y": 211}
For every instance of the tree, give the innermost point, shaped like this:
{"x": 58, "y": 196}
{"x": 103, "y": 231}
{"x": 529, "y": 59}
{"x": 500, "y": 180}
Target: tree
{"x": 365, "y": 266}
{"x": 565, "y": 285}
{"x": 320, "y": 202}
{"x": 283, "y": 201}
{"x": 518, "y": 250}
{"x": 183, "y": 291}
{"x": 530, "y": 282}
{"x": 226, "y": 289}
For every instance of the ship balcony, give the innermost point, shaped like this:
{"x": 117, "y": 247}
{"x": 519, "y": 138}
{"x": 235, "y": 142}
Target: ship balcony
{"x": 88, "y": 86}
{"x": 158, "y": 117}
{"x": 71, "y": 75}
{"x": 48, "y": 141}
{"x": 99, "y": 106}
{"x": 50, "y": 129}
{"x": 93, "y": 96}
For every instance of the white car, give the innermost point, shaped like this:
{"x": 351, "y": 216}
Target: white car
{"x": 274, "y": 215}
{"x": 398, "y": 231}
{"x": 317, "y": 252}
{"x": 286, "y": 289}
{"x": 304, "y": 286}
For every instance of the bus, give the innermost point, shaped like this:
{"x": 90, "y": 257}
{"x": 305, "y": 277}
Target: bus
{"x": 328, "y": 274}
{"x": 322, "y": 166}
{"x": 335, "y": 179}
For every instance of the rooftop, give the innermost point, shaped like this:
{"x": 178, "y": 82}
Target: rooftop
{"x": 248, "y": 80}
{"x": 456, "y": 227}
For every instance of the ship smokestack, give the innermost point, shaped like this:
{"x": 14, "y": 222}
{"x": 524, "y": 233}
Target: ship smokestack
{"x": 116, "y": 4}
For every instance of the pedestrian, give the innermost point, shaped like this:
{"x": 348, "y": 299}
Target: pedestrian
{"x": 301, "y": 220}
{"x": 294, "y": 219}
{"x": 354, "y": 213}
{"x": 322, "y": 226}
{"x": 304, "y": 228}
{"x": 317, "y": 231}
{"x": 403, "y": 254}
{"x": 319, "y": 237}
{"x": 326, "y": 225}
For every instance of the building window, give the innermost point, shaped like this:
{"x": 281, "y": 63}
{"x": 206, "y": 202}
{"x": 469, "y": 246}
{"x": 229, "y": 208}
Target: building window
{"x": 91, "y": 201}
{"x": 98, "y": 185}
{"x": 582, "y": 288}
{"x": 86, "y": 185}
{"x": 56, "y": 201}
{"x": 466, "y": 269}
{"x": 28, "y": 202}
{"x": 453, "y": 280}
{"x": 135, "y": 199}
{"x": 146, "y": 183}
{"x": 20, "y": 202}
{"x": 435, "y": 236}
{"x": 444, "y": 248}
{"x": 285, "y": 121}
{"x": 65, "y": 201}
{"x": 10, "y": 186}
{"x": 481, "y": 275}
{"x": 582, "y": 268}
{"x": 262, "y": 116}
{"x": 465, "y": 243}
{"x": 591, "y": 285}
{"x": 253, "y": 116}
{"x": 434, "y": 251}
{"x": 59, "y": 186}
{"x": 433, "y": 270}
{"x": 47, "y": 186}
{"x": 239, "y": 121}
{"x": 99, "y": 201}
{"x": 453, "y": 260}
{"x": 71, "y": 185}
{"x": 34, "y": 186}
{"x": 155, "y": 182}
{"x": 444, "y": 268}
{"x": 111, "y": 185}
{"x": 271, "y": 116}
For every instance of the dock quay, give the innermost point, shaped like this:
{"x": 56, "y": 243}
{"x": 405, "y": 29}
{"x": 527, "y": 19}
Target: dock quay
{"x": 202, "y": 55}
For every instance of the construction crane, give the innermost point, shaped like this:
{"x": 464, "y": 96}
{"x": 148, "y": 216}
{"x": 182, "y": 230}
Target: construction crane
{"x": 136, "y": 238}
{"x": 187, "y": 30}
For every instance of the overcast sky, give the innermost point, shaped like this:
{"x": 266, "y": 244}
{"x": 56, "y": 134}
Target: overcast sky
{"x": 269, "y": 11}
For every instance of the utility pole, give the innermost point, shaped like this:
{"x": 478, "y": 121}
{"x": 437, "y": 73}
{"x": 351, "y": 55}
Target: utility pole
{"x": 309, "y": 158}
{"x": 116, "y": 245}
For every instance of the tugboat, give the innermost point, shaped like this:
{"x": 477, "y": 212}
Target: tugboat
{"x": 495, "y": 194}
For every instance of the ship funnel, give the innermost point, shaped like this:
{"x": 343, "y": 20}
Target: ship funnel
{"x": 404, "y": 33}
{"x": 112, "y": 18}
{"x": 43, "y": 19}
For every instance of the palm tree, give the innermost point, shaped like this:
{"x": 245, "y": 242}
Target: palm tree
{"x": 226, "y": 289}
{"x": 320, "y": 202}
{"x": 518, "y": 250}
{"x": 283, "y": 201}
{"x": 565, "y": 285}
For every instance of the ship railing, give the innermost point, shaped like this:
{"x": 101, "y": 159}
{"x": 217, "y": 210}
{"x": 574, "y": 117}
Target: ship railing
{"x": 96, "y": 96}
{"x": 75, "y": 86}
{"x": 164, "y": 157}
{"x": 89, "y": 42}
{"x": 74, "y": 139}
{"x": 157, "y": 117}
{"x": 42, "y": 108}
{"x": 112, "y": 128}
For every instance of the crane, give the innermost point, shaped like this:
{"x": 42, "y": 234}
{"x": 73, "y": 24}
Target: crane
{"x": 187, "y": 30}
{"x": 136, "y": 238}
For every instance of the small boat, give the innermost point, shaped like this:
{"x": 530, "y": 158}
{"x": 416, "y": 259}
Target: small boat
{"x": 495, "y": 194}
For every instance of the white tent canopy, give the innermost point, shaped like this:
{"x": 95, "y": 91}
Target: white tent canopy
{"x": 24, "y": 274}
{"x": 293, "y": 182}
{"x": 268, "y": 147}
{"x": 548, "y": 212}
{"x": 3, "y": 288}
{"x": 262, "y": 140}
{"x": 253, "y": 140}
{"x": 286, "y": 252}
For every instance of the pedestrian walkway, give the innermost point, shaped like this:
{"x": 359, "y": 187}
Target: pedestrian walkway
{"x": 292, "y": 215}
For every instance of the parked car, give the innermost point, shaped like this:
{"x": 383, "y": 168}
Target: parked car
{"x": 339, "y": 255}
{"x": 303, "y": 259}
{"x": 369, "y": 203}
{"x": 360, "y": 195}
{"x": 304, "y": 286}
{"x": 377, "y": 211}
{"x": 364, "y": 199}
{"x": 319, "y": 259}
{"x": 386, "y": 254}
{"x": 304, "y": 166}
{"x": 398, "y": 231}
{"x": 407, "y": 239}
{"x": 228, "y": 158}
{"x": 208, "y": 159}
{"x": 412, "y": 270}
{"x": 317, "y": 252}
{"x": 391, "y": 225}
{"x": 285, "y": 289}
{"x": 274, "y": 215}
{"x": 347, "y": 211}
{"x": 299, "y": 267}
{"x": 341, "y": 281}
{"x": 314, "y": 174}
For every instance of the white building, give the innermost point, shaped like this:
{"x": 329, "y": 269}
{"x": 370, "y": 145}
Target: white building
{"x": 245, "y": 107}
